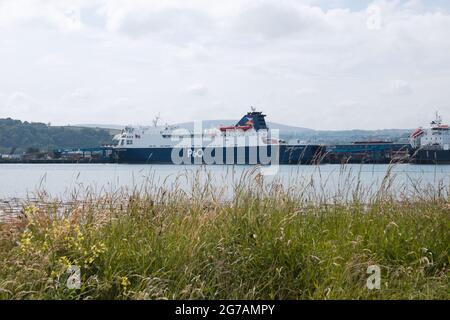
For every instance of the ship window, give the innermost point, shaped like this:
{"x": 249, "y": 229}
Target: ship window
{"x": 122, "y": 142}
{"x": 129, "y": 141}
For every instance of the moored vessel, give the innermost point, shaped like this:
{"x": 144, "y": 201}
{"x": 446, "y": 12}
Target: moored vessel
{"x": 248, "y": 142}
{"x": 432, "y": 145}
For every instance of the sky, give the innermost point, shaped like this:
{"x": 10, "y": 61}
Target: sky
{"x": 329, "y": 65}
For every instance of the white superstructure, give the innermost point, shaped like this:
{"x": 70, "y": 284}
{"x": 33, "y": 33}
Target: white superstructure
{"x": 437, "y": 137}
{"x": 169, "y": 137}
{"x": 250, "y": 131}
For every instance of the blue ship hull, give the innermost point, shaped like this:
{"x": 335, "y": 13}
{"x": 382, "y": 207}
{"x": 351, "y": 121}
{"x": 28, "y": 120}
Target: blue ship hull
{"x": 283, "y": 154}
{"x": 432, "y": 157}
{"x": 368, "y": 153}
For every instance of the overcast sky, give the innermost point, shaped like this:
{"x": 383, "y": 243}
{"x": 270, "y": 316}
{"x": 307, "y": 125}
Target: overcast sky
{"x": 313, "y": 63}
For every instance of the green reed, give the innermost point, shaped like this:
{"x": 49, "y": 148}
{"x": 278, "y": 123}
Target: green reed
{"x": 266, "y": 241}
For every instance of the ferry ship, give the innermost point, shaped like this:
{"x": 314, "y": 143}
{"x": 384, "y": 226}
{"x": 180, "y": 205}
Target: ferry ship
{"x": 432, "y": 145}
{"x": 248, "y": 142}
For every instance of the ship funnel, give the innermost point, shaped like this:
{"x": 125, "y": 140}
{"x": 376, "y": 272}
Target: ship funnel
{"x": 254, "y": 119}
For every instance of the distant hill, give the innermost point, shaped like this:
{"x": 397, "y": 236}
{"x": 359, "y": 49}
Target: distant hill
{"x": 117, "y": 127}
{"x": 207, "y": 124}
{"x": 305, "y": 134}
{"x": 18, "y": 137}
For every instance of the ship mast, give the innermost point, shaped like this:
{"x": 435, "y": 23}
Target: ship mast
{"x": 438, "y": 120}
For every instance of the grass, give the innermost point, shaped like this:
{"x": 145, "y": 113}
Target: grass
{"x": 264, "y": 242}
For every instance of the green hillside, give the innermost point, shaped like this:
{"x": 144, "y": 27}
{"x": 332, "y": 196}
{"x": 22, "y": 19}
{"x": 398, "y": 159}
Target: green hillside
{"x": 17, "y": 136}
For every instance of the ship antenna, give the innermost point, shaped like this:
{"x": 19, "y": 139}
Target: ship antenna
{"x": 156, "y": 120}
{"x": 438, "y": 119}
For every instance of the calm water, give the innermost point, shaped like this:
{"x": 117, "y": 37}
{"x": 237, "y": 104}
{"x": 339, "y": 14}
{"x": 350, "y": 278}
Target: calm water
{"x": 59, "y": 180}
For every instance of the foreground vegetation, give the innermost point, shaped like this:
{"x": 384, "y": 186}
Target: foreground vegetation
{"x": 265, "y": 242}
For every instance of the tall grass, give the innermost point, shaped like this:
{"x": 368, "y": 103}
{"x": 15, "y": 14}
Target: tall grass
{"x": 268, "y": 240}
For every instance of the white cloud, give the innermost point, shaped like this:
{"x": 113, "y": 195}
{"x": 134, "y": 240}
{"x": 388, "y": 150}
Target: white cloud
{"x": 62, "y": 15}
{"x": 400, "y": 88}
{"x": 296, "y": 59}
{"x": 2, "y": 103}
{"x": 20, "y": 105}
{"x": 306, "y": 91}
{"x": 176, "y": 22}
{"x": 80, "y": 94}
{"x": 52, "y": 60}
{"x": 127, "y": 81}
{"x": 197, "y": 90}
{"x": 274, "y": 20}
{"x": 347, "y": 104}
{"x": 20, "y": 101}
{"x": 193, "y": 52}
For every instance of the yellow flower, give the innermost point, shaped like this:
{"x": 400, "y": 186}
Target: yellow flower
{"x": 54, "y": 274}
{"x": 79, "y": 233}
{"x": 89, "y": 260}
{"x": 64, "y": 260}
{"x": 125, "y": 282}
{"x": 45, "y": 246}
{"x": 30, "y": 212}
{"x": 25, "y": 241}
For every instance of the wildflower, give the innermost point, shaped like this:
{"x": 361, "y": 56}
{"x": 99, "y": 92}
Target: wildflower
{"x": 89, "y": 260}
{"x": 54, "y": 274}
{"x": 80, "y": 236}
{"x": 102, "y": 247}
{"x": 65, "y": 261}
{"x": 30, "y": 212}
{"x": 97, "y": 249}
{"x": 45, "y": 246}
{"x": 26, "y": 240}
{"x": 124, "y": 282}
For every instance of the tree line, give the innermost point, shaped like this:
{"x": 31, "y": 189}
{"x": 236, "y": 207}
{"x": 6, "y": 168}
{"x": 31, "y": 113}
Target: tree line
{"x": 21, "y": 136}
